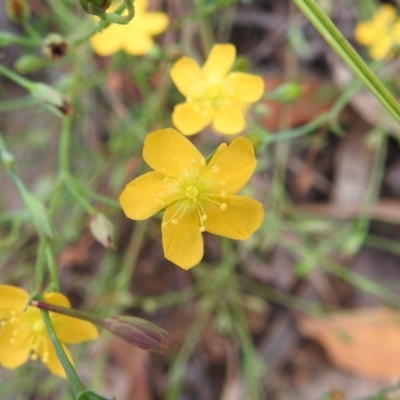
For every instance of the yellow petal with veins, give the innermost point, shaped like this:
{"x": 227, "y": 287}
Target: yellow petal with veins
{"x": 229, "y": 118}
{"x": 230, "y": 167}
{"x": 170, "y": 153}
{"x": 187, "y": 76}
{"x": 147, "y": 195}
{"x": 245, "y": 88}
{"x": 182, "y": 242}
{"x": 241, "y": 217}
{"x": 219, "y": 62}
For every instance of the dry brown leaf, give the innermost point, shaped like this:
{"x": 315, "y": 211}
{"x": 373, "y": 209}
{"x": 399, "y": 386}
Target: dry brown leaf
{"x": 364, "y": 342}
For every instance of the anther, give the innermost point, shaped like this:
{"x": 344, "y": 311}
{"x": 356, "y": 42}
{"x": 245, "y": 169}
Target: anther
{"x": 202, "y": 229}
{"x": 223, "y": 206}
{"x": 214, "y": 168}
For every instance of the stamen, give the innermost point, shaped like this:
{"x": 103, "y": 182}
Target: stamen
{"x": 177, "y": 216}
{"x": 214, "y": 168}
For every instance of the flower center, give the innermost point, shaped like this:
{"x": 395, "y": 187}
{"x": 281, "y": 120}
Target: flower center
{"x": 192, "y": 192}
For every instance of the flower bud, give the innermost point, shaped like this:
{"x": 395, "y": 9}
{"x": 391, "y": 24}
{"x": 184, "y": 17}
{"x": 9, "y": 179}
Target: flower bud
{"x": 90, "y": 5}
{"x": 54, "y": 46}
{"x": 287, "y": 92}
{"x": 48, "y": 95}
{"x": 18, "y": 11}
{"x": 102, "y": 229}
{"x": 137, "y": 331}
{"x": 29, "y": 63}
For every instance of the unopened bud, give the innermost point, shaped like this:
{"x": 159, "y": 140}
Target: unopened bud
{"x": 50, "y": 96}
{"x": 28, "y": 63}
{"x": 54, "y": 46}
{"x": 90, "y": 5}
{"x": 18, "y": 10}
{"x": 137, "y": 331}
{"x": 287, "y": 92}
{"x": 102, "y": 229}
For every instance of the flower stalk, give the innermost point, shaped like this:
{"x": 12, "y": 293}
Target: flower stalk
{"x": 134, "y": 330}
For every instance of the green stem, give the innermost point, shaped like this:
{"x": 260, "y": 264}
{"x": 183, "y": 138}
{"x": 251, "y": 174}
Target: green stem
{"x": 8, "y": 38}
{"x": 52, "y": 268}
{"x": 25, "y": 83}
{"x": 348, "y": 54}
{"x": 72, "y": 376}
{"x": 39, "y": 266}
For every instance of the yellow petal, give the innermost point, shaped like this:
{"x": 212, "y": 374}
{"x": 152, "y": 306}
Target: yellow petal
{"x": 140, "y": 6}
{"x": 187, "y": 76}
{"x": 396, "y": 32}
{"x": 57, "y": 298}
{"x": 183, "y": 242}
{"x": 229, "y": 118}
{"x": 51, "y": 360}
{"x": 239, "y": 220}
{"x": 191, "y": 118}
{"x": 170, "y": 153}
{"x": 142, "y": 197}
{"x": 151, "y": 23}
{"x": 364, "y": 33}
{"x": 219, "y": 61}
{"x": 139, "y": 44}
{"x": 230, "y": 168}
{"x": 385, "y": 14}
{"x": 72, "y": 330}
{"x": 14, "y": 348}
{"x": 12, "y": 298}
{"x": 244, "y": 88}
{"x": 381, "y": 49}
{"x": 110, "y": 40}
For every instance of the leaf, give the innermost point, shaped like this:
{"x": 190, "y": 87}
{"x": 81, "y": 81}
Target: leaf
{"x": 364, "y": 342}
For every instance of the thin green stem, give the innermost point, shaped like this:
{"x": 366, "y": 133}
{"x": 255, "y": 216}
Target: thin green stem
{"x": 348, "y": 54}
{"x": 39, "y": 266}
{"x": 25, "y": 83}
{"x": 52, "y": 268}
{"x": 72, "y": 376}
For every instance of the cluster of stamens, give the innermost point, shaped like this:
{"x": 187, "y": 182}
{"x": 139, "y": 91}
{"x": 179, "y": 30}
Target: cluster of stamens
{"x": 193, "y": 196}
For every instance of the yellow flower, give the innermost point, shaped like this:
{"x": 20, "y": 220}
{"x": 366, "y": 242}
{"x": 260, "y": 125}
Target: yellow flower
{"x": 213, "y": 95}
{"x": 381, "y": 34}
{"x": 197, "y": 197}
{"x": 23, "y": 334}
{"x": 136, "y": 37}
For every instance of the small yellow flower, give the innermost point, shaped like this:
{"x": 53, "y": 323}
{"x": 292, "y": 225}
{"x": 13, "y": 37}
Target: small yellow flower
{"x": 136, "y": 37}
{"x": 381, "y": 34}
{"x": 197, "y": 197}
{"x": 23, "y": 334}
{"x": 213, "y": 95}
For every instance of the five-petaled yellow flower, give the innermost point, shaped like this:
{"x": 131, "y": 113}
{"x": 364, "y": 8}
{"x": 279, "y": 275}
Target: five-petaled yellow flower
{"x": 381, "y": 34}
{"x": 136, "y": 37}
{"x": 23, "y": 334}
{"x": 213, "y": 95}
{"x": 197, "y": 197}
